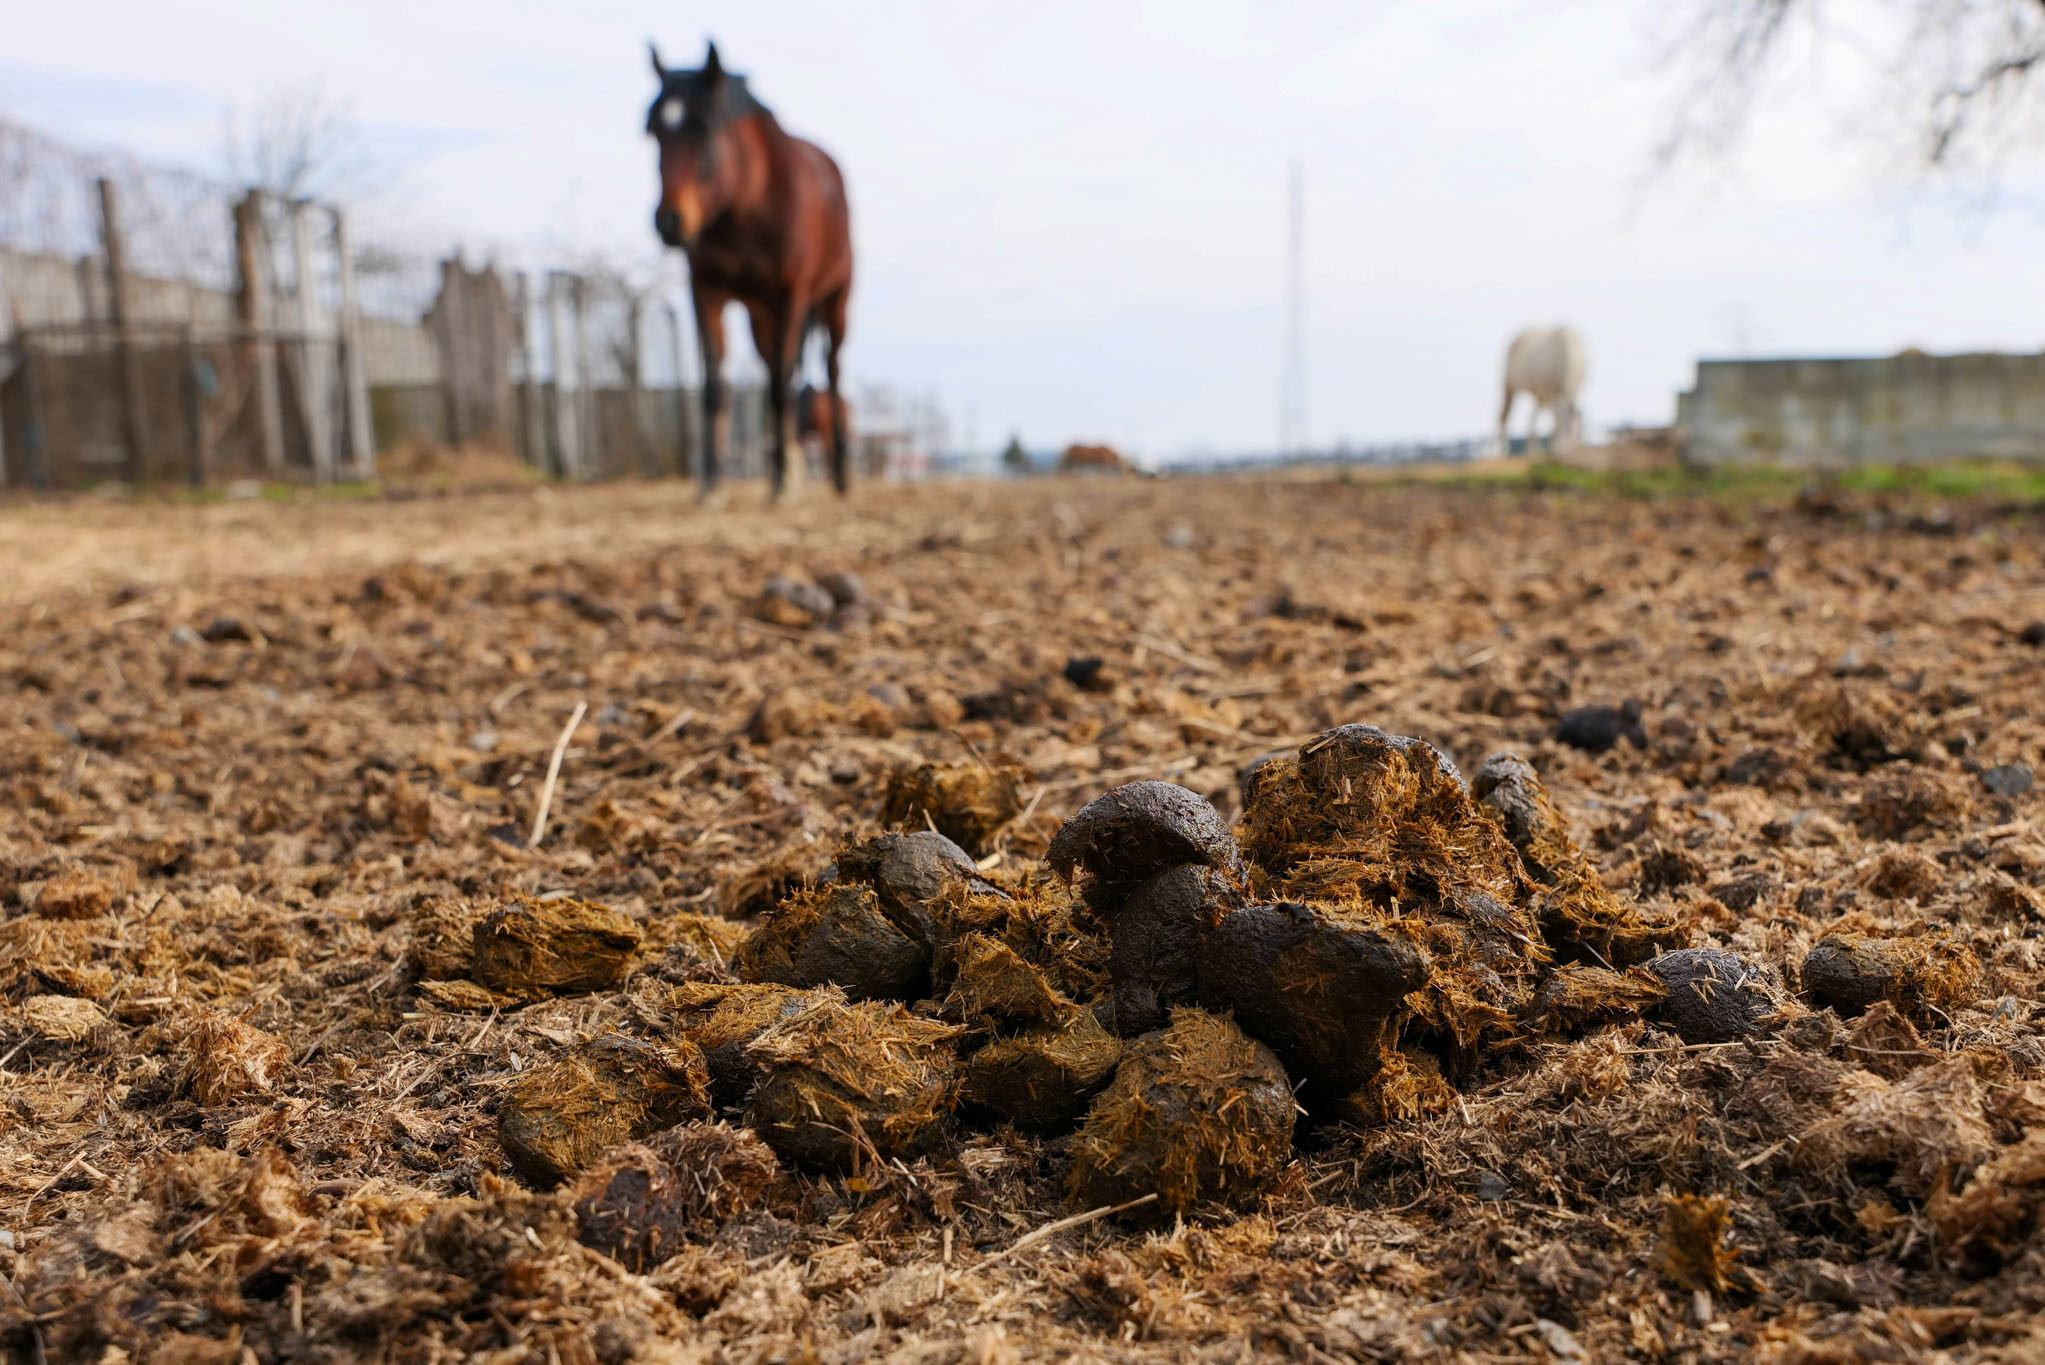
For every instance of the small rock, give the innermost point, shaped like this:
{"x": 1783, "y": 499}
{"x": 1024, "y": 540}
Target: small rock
{"x": 2007, "y": 779}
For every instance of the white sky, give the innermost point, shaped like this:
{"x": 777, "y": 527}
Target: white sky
{"x": 1070, "y": 217}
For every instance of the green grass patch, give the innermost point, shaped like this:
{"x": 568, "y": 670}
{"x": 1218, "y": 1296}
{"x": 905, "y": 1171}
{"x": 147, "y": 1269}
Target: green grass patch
{"x": 2003, "y": 480}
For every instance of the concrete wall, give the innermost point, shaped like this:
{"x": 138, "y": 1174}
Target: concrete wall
{"x": 1899, "y": 409}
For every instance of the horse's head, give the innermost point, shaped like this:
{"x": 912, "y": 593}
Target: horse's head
{"x": 692, "y": 119}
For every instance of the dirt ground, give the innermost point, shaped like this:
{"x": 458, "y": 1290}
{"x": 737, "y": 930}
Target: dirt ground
{"x": 253, "y": 748}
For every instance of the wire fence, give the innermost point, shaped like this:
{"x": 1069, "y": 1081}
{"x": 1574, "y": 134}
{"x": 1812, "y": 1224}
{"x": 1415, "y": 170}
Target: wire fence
{"x": 158, "y": 325}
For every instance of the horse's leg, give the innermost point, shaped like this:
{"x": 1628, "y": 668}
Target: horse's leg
{"x": 833, "y": 311}
{"x": 716, "y": 415}
{"x": 777, "y": 331}
{"x": 1504, "y": 417}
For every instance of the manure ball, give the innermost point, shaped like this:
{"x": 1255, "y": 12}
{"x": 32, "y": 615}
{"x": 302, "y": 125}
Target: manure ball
{"x": 844, "y": 1083}
{"x": 1715, "y": 996}
{"x": 560, "y": 1118}
{"x": 1197, "y": 1113}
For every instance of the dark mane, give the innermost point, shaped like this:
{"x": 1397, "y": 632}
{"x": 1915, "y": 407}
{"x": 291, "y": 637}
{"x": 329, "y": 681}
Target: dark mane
{"x": 711, "y": 104}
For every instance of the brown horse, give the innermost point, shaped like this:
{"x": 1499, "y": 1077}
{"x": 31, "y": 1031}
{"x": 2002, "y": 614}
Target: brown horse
{"x": 763, "y": 218}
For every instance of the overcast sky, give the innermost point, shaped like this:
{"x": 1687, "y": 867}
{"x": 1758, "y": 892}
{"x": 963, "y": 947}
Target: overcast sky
{"x": 1070, "y": 217}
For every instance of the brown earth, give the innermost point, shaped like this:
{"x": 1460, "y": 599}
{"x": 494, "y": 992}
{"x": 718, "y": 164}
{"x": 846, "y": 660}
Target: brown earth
{"x": 267, "y": 764}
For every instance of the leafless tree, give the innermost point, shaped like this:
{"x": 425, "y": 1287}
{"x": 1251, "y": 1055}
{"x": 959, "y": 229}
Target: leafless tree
{"x": 1965, "y": 77}
{"x": 297, "y": 144}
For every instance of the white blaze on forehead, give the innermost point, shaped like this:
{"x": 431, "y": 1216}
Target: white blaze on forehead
{"x": 671, "y": 113}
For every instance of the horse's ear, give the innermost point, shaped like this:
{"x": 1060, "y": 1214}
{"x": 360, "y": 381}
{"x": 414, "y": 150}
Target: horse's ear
{"x": 654, "y": 52}
{"x": 712, "y": 68}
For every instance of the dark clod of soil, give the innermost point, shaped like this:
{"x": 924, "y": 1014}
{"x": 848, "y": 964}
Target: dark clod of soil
{"x": 559, "y": 1119}
{"x": 530, "y": 948}
{"x": 1086, "y": 672}
{"x": 1134, "y": 832}
{"x": 2009, "y": 780}
{"x": 1922, "y": 975}
{"x": 641, "y": 1202}
{"x": 844, "y": 1084}
{"x": 835, "y": 935}
{"x": 1594, "y": 729}
{"x": 968, "y": 803}
{"x": 1714, "y": 996}
{"x": 1041, "y": 1080}
{"x": 1324, "y": 994}
{"x": 2033, "y": 634}
{"x": 1154, "y": 959}
{"x": 1197, "y": 1113}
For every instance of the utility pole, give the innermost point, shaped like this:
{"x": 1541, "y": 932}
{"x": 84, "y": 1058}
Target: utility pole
{"x": 1292, "y": 379}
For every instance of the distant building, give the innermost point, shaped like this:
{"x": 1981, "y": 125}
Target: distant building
{"x": 1899, "y": 409}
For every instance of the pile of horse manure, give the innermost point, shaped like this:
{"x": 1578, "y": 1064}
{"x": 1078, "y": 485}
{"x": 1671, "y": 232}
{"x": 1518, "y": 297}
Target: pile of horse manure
{"x": 835, "y": 935}
{"x": 842, "y": 1083}
{"x": 913, "y": 874}
{"x": 722, "y": 1021}
{"x": 1161, "y": 868}
{"x": 560, "y": 1118}
{"x": 221, "y": 1059}
{"x": 1580, "y": 919}
{"x": 1046, "y": 1057}
{"x": 1376, "y": 833}
{"x": 643, "y": 1201}
{"x": 1715, "y": 996}
{"x": 1197, "y": 1113}
{"x": 529, "y": 949}
{"x": 1921, "y": 975}
{"x": 74, "y": 895}
{"x": 968, "y": 803}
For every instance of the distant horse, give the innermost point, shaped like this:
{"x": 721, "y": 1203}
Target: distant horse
{"x": 1547, "y": 366}
{"x": 1086, "y": 459}
{"x": 763, "y": 218}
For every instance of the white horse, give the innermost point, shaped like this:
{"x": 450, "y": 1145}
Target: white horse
{"x": 1546, "y": 364}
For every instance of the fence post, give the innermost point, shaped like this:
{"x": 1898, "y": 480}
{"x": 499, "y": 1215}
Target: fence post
{"x": 685, "y": 441}
{"x": 568, "y": 454}
{"x": 188, "y": 390}
{"x": 251, "y": 249}
{"x": 642, "y": 419}
{"x": 134, "y": 423}
{"x": 588, "y": 438}
{"x": 354, "y": 367}
{"x": 314, "y": 393}
{"x": 34, "y": 434}
{"x": 534, "y": 421}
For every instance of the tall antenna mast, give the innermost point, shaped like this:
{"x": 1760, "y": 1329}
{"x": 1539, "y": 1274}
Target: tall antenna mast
{"x": 1292, "y": 379}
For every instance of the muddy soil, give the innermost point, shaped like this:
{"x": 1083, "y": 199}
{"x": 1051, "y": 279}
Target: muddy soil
{"x": 280, "y": 957}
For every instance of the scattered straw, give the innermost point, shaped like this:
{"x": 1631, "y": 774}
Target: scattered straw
{"x": 554, "y": 774}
